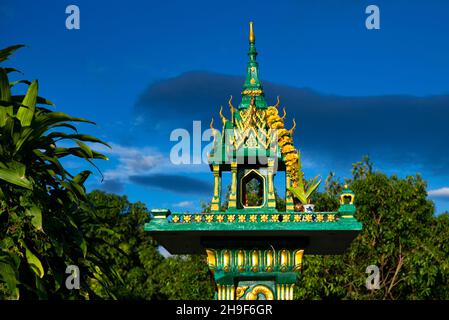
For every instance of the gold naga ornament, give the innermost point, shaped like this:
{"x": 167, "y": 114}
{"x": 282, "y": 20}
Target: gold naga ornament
{"x": 285, "y": 140}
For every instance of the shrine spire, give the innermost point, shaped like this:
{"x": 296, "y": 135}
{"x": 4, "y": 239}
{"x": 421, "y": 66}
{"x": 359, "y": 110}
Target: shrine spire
{"x": 252, "y": 88}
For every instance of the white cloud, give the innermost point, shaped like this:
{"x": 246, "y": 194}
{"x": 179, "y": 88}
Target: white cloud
{"x": 183, "y": 204}
{"x": 132, "y": 161}
{"x": 439, "y": 193}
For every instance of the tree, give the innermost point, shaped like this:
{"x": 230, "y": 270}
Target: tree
{"x": 39, "y": 198}
{"x": 113, "y": 229}
{"x": 400, "y": 235}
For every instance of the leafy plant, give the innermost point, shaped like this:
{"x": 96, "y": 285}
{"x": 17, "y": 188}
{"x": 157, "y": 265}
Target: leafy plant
{"x": 304, "y": 189}
{"x": 400, "y": 235}
{"x": 39, "y": 198}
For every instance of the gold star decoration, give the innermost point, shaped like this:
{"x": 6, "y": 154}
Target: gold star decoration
{"x": 231, "y": 218}
{"x": 242, "y": 218}
{"x": 308, "y": 217}
{"x": 264, "y": 218}
{"x": 220, "y": 218}
{"x": 319, "y": 217}
{"x": 330, "y": 218}
{"x": 275, "y": 217}
{"x": 297, "y": 218}
{"x": 285, "y": 218}
{"x": 209, "y": 218}
{"x": 198, "y": 218}
{"x": 186, "y": 219}
{"x": 175, "y": 219}
{"x": 253, "y": 218}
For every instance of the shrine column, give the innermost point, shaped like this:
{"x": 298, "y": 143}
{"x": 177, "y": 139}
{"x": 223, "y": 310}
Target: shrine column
{"x": 270, "y": 175}
{"x": 289, "y": 205}
{"x": 216, "y": 199}
{"x": 233, "y": 195}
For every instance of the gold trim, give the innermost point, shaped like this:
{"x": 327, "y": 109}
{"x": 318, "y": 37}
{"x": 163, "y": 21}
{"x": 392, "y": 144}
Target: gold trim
{"x": 211, "y": 258}
{"x": 240, "y": 291}
{"x": 297, "y": 257}
{"x": 226, "y": 260}
{"x": 252, "y": 38}
{"x": 242, "y": 217}
{"x": 259, "y": 289}
{"x": 241, "y": 260}
{"x": 342, "y": 198}
{"x": 255, "y": 260}
{"x": 284, "y": 259}
{"x": 269, "y": 261}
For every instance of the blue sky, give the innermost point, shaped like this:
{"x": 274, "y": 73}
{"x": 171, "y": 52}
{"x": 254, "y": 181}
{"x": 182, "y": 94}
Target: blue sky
{"x": 141, "y": 69}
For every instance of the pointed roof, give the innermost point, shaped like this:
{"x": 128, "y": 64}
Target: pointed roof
{"x": 252, "y": 86}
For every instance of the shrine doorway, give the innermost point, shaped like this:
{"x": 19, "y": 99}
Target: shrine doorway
{"x": 252, "y": 193}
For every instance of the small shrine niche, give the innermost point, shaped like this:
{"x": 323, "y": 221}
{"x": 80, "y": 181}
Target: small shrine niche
{"x": 252, "y": 194}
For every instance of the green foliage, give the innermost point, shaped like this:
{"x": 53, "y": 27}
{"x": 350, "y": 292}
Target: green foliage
{"x": 400, "y": 235}
{"x": 304, "y": 189}
{"x": 39, "y": 198}
{"x": 186, "y": 278}
{"x": 114, "y": 232}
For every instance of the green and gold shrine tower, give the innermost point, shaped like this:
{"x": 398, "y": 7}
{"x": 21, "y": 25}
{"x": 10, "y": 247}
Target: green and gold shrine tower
{"x": 253, "y": 248}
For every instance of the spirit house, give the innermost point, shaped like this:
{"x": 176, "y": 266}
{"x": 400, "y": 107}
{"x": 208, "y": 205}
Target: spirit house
{"x": 255, "y": 248}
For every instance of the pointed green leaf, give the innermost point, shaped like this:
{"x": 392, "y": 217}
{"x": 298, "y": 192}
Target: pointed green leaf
{"x": 5, "y": 96}
{"x": 12, "y": 84}
{"x": 14, "y": 172}
{"x": 5, "y": 53}
{"x": 9, "y": 264}
{"x": 36, "y": 214}
{"x": 39, "y": 100}
{"x": 34, "y": 262}
{"x": 81, "y": 177}
{"x": 26, "y": 111}
{"x": 8, "y": 70}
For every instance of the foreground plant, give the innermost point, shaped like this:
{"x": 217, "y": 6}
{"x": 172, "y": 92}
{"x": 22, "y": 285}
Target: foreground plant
{"x": 39, "y": 198}
{"x": 303, "y": 189}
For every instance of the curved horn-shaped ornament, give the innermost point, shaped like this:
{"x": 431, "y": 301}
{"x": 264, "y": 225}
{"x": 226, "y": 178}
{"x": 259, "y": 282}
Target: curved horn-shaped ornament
{"x": 230, "y": 103}
{"x": 223, "y": 118}
{"x": 292, "y": 130}
{"x": 285, "y": 114}
{"x": 277, "y": 102}
{"x": 212, "y": 124}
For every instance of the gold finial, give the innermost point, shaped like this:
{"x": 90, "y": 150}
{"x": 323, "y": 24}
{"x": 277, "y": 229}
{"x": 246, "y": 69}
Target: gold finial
{"x": 346, "y": 186}
{"x": 252, "y": 38}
